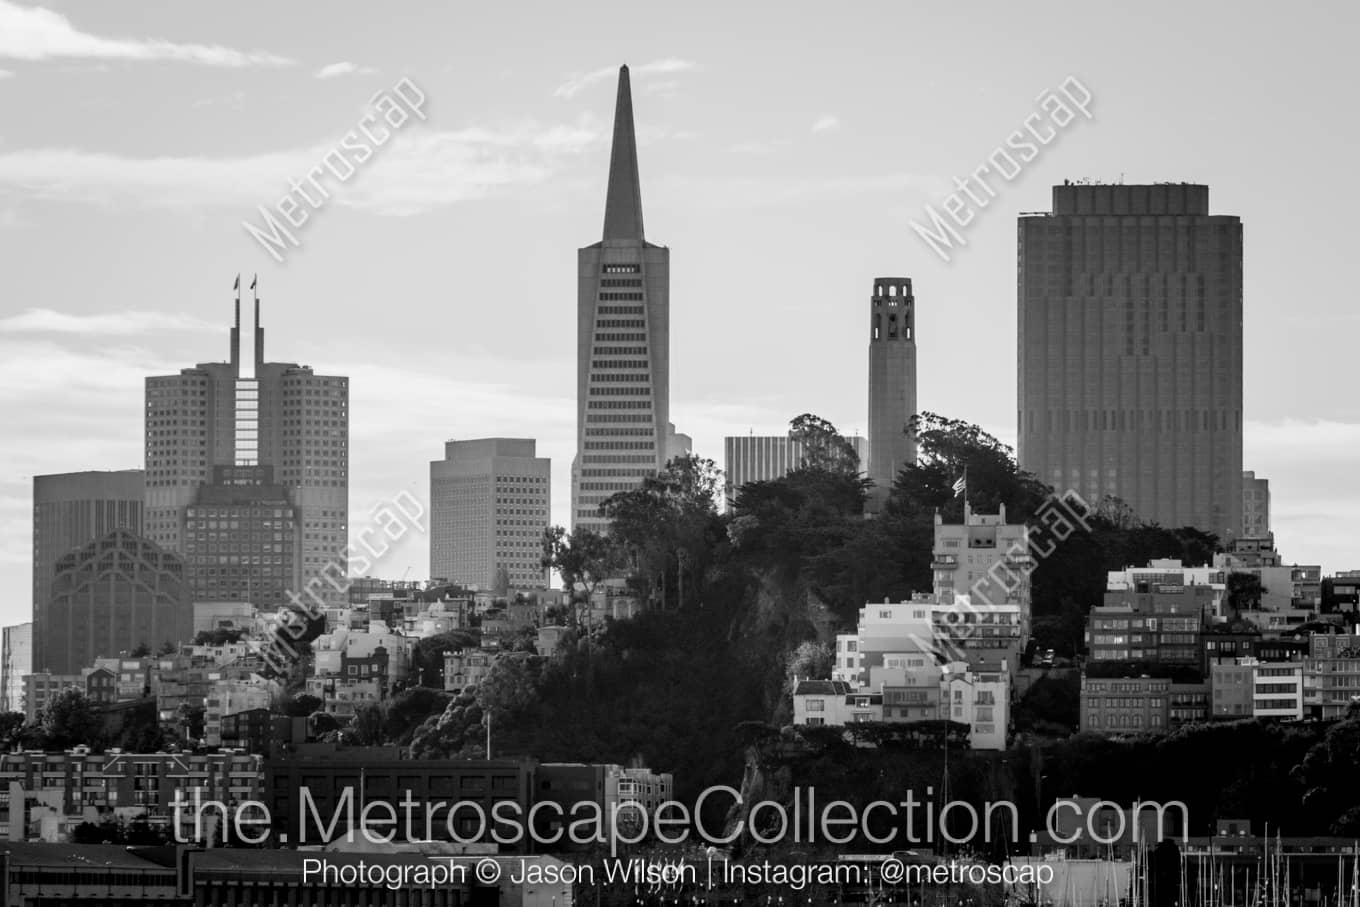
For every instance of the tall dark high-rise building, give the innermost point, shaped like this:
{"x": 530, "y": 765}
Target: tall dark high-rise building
{"x": 1130, "y": 351}
{"x": 892, "y": 383}
{"x": 247, "y": 473}
{"x": 623, "y": 425}
{"x": 71, "y": 510}
{"x": 117, "y": 593}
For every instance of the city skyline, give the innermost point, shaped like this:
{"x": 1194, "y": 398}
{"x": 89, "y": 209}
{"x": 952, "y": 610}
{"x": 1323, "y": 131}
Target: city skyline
{"x": 805, "y": 171}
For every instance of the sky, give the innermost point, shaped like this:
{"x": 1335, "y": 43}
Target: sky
{"x": 785, "y": 152}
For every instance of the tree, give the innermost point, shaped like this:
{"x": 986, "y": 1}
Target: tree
{"x": 823, "y": 447}
{"x": 1244, "y": 591}
{"x": 510, "y": 687}
{"x": 191, "y": 719}
{"x": 427, "y": 655}
{"x": 409, "y": 709}
{"x": 301, "y": 705}
{"x": 366, "y": 728}
{"x": 220, "y": 637}
{"x": 11, "y": 729}
{"x": 1331, "y": 785}
{"x": 810, "y": 661}
{"x": 584, "y": 558}
{"x": 71, "y": 719}
{"x": 323, "y": 723}
{"x": 669, "y": 525}
{"x": 142, "y": 731}
{"x": 141, "y": 651}
{"x": 946, "y": 449}
{"x": 167, "y": 648}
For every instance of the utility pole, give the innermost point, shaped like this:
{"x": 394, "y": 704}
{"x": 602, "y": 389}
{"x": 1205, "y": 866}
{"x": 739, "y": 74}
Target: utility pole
{"x": 488, "y": 735}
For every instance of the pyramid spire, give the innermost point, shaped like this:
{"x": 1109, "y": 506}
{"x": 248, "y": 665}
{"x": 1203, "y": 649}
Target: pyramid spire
{"x": 623, "y": 203}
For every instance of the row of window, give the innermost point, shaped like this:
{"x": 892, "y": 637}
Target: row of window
{"x": 631, "y": 377}
{"x": 616, "y": 418}
{"x": 1136, "y": 420}
{"x": 619, "y": 404}
{"x": 620, "y": 445}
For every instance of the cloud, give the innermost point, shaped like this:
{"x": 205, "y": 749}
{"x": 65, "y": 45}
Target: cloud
{"x": 72, "y": 401}
{"x": 234, "y": 99}
{"x": 414, "y": 171}
{"x": 344, "y": 68}
{"x": 758, "y": 147}
{"x": 47, "y": 321}
{"x": 729, "y": 193}
{"x": 35, "y": 33}
{"x": 826, "y": 124}
{"x": 576, "y": 83}
{"x": 6, "y": 74}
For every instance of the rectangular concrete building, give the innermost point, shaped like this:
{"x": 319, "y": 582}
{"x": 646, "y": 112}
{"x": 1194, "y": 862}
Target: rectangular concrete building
{"x": 763, "y": 458}
{"x": 220, "y": 432}
{"x": 490, "y": 501}
{"x": 1130, "y": 351}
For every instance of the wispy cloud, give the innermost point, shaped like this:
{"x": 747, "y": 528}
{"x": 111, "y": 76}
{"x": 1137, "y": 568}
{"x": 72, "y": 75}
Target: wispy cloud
{"x": 415, "y": 171}
{"x": 344, "y": 68}
{"x": 751, "y": 193}
{"x": 35, "y": 33}
{"x": 47, "y": 321}
{"x": 826, "y": 124}
{"x": 580, "y": 81}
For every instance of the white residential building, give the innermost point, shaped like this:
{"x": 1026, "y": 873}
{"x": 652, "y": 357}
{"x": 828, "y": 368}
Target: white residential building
{"x": 980, "y": 700}
{"x": 1277, "y": 690}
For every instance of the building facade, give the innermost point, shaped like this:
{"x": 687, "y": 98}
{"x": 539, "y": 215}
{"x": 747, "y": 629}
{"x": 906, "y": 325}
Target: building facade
{"x": 1255, "y": 506}
{"x": 1135, "y": 705}
{"x": 623, "y": 427}
{"x": 1158, "y": 623}
{"x": 490, "y": 501}
{"x": 892, "y": 383}
{"x": 113, "y": 595}
{"x": 984, "y": 558}
{"x": 764, "y": 458}
{"x": 1331, "y": 675}
{"x": 1130, "y": 351}
{"x": 16, "y": 661}
{"x": 235, "y": 440}
{"x": 71, "y": 510}
{"x": 333, "y": 777}
{"x": 80, "y": 786}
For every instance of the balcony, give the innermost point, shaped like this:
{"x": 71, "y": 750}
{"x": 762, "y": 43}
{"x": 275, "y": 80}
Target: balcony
{"x": 944, "y": 562}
